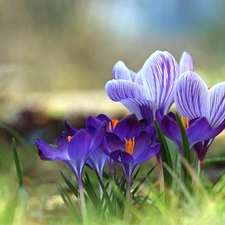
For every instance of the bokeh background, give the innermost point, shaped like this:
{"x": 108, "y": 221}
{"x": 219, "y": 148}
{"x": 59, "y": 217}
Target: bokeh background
{"x": 53, "y": 52}
{"x": 57, "y": 55}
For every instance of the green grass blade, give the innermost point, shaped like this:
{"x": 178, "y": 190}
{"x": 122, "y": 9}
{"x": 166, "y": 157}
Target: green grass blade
{"x": 185, "y": 143}
{"x": 212, "y": 160}
{"x": 165, "y": 154}
{"x": 142, "y": 181}
{"x": 70, "y": 185}
{"x": 17, "y": 164}
{"x": 90, "y": 191}
{"x": 185, "y": 152}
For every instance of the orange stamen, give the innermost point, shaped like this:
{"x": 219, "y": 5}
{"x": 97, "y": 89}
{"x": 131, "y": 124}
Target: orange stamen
{"x": 129, "y": 145}
{"x": 185, "y": 122}
{"x": 113, "y": 124}
{"x": 209, "y": 88}
{"x": 69, "y": 138}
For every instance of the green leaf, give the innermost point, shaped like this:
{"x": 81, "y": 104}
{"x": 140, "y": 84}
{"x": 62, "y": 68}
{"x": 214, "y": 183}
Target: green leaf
{"x": 17, "y": 164}
{"x": 185, "y": 152}
{"x": 66, "y": 199}
{"x": 90, "y": 191}
{"x": 142, "y": 181}
{"x": 185, "y": 144}
{"x": 165, "y": 154}
{"x": 219, "y": 184}
{"x": 70, "y": 185}
{"x": 211, "y": 160}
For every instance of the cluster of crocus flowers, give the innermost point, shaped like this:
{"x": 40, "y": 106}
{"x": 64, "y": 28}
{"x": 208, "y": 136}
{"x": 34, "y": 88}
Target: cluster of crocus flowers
{"x": 162, "y": 82}
{"x": 148, "y": 94}
{"x": 151, "y": 88}
{"x": 128, "y": 142}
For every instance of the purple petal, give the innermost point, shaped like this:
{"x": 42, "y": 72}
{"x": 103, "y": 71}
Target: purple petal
{"x": 201, "y": 149}
{"x": 141, "y": 143}
{"x": 186, "y": 63}
{"x": 191, "y": 96}
{"x": 198, "y": 131}
{"x": 103, "y": 117}
{"x": 70, "y": 128}
{"x": 47, "y": 152}
{"x": 149, "y": 153}
{"x": 62, "y": 142}
{"x": 112, "y": 143}
{"x": 120, "y": 71}
{"x": 98, "y": 138}
{"x": 118, "y": 90}
{"x": 171, "y": 130}
{"x": 95, "y": 122}
{"x": 79, "y": 146}
{"x": 97, "y": 160}
{"x": 159, "y": 74}
{"x": 216, "y": 112}
{"x": 142, "y": 108}
{"x": 127, "y": 128}
{"x": 93, "y": 127}
{"x": 121, "y": 157}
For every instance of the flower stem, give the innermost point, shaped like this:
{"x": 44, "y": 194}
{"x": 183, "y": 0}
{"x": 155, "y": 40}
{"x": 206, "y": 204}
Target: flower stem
{"x": 100, "y": 187}
{"x": 128, "y": 197}
{"x": 82, "y": 201}
{"x": 161, "y": 175}
{"x": 200, "y": 163}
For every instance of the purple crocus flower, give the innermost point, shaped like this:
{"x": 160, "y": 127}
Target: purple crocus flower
{"x": 151, "y": 88}
{"x": 73, "y": 149}
{"x": 203, "y": 107}
{"x": 129, "y": 144}
{"x": 197, "y": 130}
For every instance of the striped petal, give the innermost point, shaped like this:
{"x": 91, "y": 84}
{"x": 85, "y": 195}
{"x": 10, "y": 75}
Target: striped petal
{"x": 120, "y": 71}
{"x": 186, "y": 63}
{"x": 142, "y": 108}
{"x": 191, "y": 95}
{"x": 159, "y": 74}
{"x": 118, "y": 90}
{"x": 216, "y": 112}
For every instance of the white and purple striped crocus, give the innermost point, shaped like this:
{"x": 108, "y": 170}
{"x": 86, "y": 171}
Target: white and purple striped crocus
{"x": 202, "y": 110}
{"x": 150, "y": 89}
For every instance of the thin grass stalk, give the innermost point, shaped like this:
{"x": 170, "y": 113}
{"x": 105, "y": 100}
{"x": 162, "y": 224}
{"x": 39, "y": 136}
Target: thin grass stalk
{"x": 161, "y": 173}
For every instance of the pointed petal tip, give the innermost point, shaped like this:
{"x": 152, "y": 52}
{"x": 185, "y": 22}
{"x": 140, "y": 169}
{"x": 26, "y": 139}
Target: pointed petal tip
{"x": 186, "y": 62}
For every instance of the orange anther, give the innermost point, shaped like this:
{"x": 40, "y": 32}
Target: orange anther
{"x": 185, "y": 122}
{"x": 129, "y": 145}
{"x": 69, "y": 138}
{"x": 113, "y": 124}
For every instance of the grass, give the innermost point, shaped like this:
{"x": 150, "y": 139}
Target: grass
{"x": 39, "y": 203}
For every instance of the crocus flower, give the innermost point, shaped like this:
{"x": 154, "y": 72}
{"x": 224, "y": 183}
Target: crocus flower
{"x": 203, "y": 107}
{"x": 197, "y": 130}
{"x": 73, "y": 149}
{"x": 129, "y": 145}
{"x": 151, "y": 88}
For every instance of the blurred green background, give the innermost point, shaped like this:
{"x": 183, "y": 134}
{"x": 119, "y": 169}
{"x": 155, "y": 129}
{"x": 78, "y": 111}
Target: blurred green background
{"x": 57, "y": 55}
